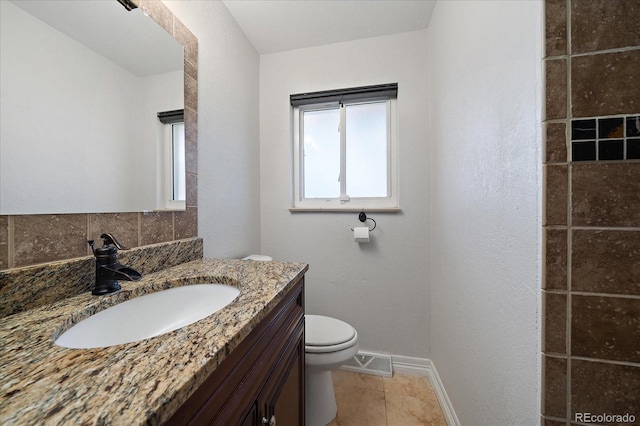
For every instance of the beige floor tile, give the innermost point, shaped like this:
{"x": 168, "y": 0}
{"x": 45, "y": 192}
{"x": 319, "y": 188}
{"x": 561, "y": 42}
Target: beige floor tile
{"x": 360, "y": 407}
{"x": 407, "y": 385}
{"x": 405, "y": 410}
{"x": 343, "y": 378}
{"x": 400, "y": 400}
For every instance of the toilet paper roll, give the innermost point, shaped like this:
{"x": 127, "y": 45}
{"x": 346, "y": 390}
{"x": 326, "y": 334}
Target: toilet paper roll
{"x": 361, "y": 234}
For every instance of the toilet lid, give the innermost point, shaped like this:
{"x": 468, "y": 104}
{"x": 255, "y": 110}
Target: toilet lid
{"x": 326, "y": 331}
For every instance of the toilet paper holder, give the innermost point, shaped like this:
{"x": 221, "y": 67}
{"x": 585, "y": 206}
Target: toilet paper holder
{"x": 362, "y": 217}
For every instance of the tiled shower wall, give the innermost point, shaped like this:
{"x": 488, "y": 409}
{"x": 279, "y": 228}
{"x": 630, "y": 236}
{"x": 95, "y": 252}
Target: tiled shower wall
{"x": 591, "y": 288}
{"x": 32, "y": 239}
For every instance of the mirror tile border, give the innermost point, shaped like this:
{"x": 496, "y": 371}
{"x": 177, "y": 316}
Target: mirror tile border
{"x": 27, "y": 240}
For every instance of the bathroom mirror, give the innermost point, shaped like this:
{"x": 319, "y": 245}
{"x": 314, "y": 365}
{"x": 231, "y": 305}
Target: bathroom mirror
{"x": 82, "y": 83}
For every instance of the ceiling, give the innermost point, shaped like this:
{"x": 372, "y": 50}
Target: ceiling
{"x": 130, "y": 39}
{"x": 279, "y": 25}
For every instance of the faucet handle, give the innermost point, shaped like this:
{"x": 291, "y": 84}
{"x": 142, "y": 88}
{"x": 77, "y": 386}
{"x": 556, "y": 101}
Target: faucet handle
{"x": 110, "y": 239}
{"x": 93, "y": 250}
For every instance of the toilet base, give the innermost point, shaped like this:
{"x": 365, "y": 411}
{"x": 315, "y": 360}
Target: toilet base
{"x": 320, "y": 404}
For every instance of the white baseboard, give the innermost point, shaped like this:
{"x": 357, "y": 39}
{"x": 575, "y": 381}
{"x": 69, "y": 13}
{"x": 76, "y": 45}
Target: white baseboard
{"x": 424, "y": 367}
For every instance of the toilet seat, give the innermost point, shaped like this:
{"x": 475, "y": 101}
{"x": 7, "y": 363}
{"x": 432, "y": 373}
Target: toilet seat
{"x": 326, "y": 334}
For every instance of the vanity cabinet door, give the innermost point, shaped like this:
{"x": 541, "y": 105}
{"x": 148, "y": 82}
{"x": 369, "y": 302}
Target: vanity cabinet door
{"x": 282, "y": 399}
{"x": 252, "y": 417}
{"x": 262, "y": 377}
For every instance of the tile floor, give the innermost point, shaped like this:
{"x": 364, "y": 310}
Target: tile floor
{"x": 364, "y": 399}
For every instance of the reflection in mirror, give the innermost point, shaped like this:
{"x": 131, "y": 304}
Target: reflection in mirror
{"x": 178, "y": 181}
{"x": 172, "y": 190}
{"x": 82, "y": 83}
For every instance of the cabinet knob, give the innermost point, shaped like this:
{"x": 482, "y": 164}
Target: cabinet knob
{"x": 271, "y": 422}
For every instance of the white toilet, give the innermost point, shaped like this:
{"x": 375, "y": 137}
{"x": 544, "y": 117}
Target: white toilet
{"x": 329, "y": 343}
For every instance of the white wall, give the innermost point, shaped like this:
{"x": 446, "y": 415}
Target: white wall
{"x": 485, "y": 91}
{"x": 228, "y": 136}
{"x": 472, "y": 177}
{"x": 381, "y": 288}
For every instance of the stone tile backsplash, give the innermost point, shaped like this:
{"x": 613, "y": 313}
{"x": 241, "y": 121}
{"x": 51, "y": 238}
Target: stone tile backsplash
{"x": 45, "y": 238}
{"x": 34, "y": 286}
{"x": 124, "y": 226}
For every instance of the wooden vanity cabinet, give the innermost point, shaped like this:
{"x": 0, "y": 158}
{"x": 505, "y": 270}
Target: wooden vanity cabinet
{"x": 261, "y": 382}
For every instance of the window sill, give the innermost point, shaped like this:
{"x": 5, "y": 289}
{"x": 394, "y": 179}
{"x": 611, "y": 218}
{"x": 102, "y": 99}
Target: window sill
{"x": 344, "y": 210}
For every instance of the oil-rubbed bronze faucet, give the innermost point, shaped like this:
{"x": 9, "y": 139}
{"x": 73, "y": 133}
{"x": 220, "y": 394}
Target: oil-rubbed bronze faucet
{"x": 108, "y": 269}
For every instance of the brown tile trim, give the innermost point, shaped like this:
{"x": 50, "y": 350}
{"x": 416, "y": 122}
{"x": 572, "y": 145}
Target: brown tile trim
{"x": 604, "y": 216}
{"x": 156, "y": 227}
{"x": 605, "y": 194}
{"x": 4, "y": 242}
{"x": 186, "y": 223}
{"x": 556, "y": 191}
{"x": 604, "y": 327}
{"x": 555, "y": 142}
{"x": 554, "y": 386}
{"x": 555, "y": 88}
{"x": 606, "y": 261}
{"x": 552, "y": 422}
{"x": 589, "y": 379}
{"x": 556, "y": 27}
{"x": 554, "y": 307}
{"x": 556, "y": 256}
{"x": 192, "y": 189}
{"x": 604, "y": 24}
{"x": 605, "y": 84}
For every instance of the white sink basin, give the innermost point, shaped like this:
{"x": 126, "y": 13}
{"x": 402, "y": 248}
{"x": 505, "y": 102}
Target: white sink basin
{"x": 148, "y": 316}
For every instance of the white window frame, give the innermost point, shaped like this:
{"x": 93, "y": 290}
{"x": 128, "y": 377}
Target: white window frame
{"x": 344, "y": 202}
{"x": 166, "y": 180}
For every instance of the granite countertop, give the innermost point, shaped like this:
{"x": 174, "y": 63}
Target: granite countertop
{"x": 142, "y": 382}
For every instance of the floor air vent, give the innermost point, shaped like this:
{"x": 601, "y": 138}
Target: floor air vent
{"x": 377, "y": 364}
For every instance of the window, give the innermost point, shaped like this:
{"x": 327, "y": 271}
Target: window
{"x": 178, "y": 178}
{"x": 345, "y": 149}
{"x": 172, "y": 180}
